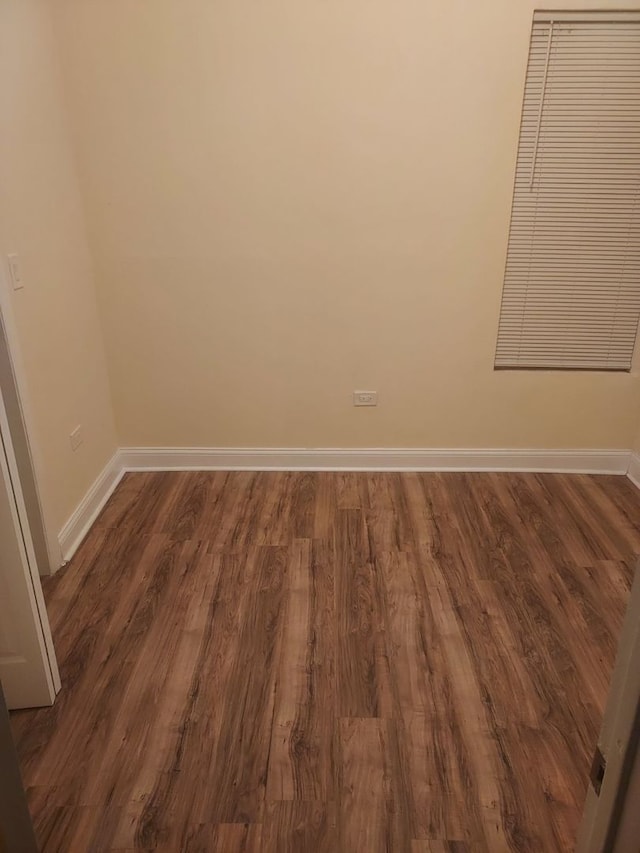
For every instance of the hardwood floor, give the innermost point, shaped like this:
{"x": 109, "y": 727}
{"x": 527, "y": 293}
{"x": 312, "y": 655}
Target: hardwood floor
{"x": 347, "y": 663}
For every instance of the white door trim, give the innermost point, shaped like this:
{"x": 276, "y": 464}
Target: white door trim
{"x": 598, "y": 827}
{"x": 10, "y": 474}
{"x": 39, "y": 514}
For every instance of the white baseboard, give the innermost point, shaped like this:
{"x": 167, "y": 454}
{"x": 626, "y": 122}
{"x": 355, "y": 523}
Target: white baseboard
{"x": 371, "y": 459}
{"x": 333, "y": 459}
{"x": 633, "y": 472}
{"x": 89, "y": 507}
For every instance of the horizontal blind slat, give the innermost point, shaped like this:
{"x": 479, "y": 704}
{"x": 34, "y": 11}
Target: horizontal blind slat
{"x": 571, "y": 293}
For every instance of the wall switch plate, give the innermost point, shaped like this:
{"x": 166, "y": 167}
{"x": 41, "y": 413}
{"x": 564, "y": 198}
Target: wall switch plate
{"x": 15, "y": 272}
{"x": 76, "y": 437}
{"x": 365, "y": 398}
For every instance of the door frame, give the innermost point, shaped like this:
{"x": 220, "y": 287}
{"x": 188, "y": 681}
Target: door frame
{"x": 619, "y": 741}
{"x": 10, "y": 479}
{"x": 40, "y": 548}
{"x": 14, "y": 390}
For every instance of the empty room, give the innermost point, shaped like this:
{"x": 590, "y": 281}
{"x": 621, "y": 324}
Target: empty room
{"x": 320, "y": 421}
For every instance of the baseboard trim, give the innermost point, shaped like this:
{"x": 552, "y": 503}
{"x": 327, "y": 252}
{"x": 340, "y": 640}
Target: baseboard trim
{"x": 633, "y": 472}
{"x": 372, "y": 459}
{"x": 90, "y": 506}
{"x": 333, "y": 459}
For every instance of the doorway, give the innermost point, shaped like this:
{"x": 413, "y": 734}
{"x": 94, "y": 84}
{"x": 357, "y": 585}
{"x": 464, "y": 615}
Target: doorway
{"x": 28, "y": 667}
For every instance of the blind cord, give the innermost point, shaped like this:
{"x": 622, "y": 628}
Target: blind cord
{"x": 541, "y": 108}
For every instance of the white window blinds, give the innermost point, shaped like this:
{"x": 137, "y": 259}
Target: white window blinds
{"x": 571, "y": 295}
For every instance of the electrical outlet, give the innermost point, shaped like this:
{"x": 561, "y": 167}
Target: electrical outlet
{"x": 365, "y": 398}
{"x": 76, "y": 437}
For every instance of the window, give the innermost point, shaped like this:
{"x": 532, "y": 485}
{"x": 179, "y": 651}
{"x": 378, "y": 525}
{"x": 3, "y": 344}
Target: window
{"x": 571, "y": 295}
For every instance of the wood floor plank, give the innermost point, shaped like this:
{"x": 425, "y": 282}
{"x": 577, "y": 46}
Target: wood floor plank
{"x": 237, "y": 779}
{"x": 141, "y": 513}
{"x": 125, "y": 500}
{"x": 183, "y": 515}
{"x": 606, "y": 541}
{"x": 324, "y": 508}
{"x": 299, "y": 521}
{"x": 561, "y": 607}
{"x": 94, "y": 661}
{"x": 230, "y": 837}
{"x": 602, "y": 613}
{"x": 360, "y": 675}
{"x": 215, "y": 510}
{"x": 348, "y": 491}
{"x": 370, "y": 808}
{"x": 302, "y": 739}
{"x": 625, "y": 497}
{"x": 237, "y": 504}
{"x": 162, "y": 674}
{"x": 293, "y": 826}
{"x": 335, "y": 662}
{"x": 443, "y": 846}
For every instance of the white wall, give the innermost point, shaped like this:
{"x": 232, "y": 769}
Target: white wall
{"x": 283, "y": 202}
{"x": 42, "y": 219}
{"x": 290, "y": 200}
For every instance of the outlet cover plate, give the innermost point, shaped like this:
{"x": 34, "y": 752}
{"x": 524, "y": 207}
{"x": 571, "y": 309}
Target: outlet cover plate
{"x": 365, "y": 398}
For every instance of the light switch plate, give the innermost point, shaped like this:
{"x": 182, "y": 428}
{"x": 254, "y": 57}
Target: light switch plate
{"x": 76, "y": 438}
{"x": 15, "y": 272}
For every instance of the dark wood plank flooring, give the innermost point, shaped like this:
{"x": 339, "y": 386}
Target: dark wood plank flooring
{"x": 343, "y": 662}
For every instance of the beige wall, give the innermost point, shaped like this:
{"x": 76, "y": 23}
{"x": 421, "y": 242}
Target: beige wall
{"x": 292, "y": 199}
{"x": 41, "y": 219}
